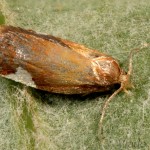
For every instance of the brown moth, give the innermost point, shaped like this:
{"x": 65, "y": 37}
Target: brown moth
{"x": 56, "y": 65}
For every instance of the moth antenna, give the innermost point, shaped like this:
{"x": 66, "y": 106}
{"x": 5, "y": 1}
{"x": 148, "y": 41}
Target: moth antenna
{"x": 144, "y": 45}
{"x": 105, "y": 107}
{"x": 122, "y": 87}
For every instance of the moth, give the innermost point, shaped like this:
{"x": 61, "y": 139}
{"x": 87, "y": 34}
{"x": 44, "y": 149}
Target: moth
{"x": 57, "y": 65}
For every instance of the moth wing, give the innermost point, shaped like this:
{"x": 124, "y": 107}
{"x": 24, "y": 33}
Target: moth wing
{"x": 50, "y": 63}
{"x": 81, "y": 49}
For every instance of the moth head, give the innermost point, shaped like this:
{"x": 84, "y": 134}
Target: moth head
{"x": 125, "y": 81}
{"x": 125, "y": 78}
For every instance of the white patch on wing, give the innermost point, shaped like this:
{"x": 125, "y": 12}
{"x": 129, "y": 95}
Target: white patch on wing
{"x": 22, "y": 76}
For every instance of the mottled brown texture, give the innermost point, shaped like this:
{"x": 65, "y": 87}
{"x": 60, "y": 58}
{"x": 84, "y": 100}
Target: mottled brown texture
{"x": 56, "y": 65}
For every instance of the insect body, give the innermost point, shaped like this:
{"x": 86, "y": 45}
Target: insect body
{"x": 55, "y": 65}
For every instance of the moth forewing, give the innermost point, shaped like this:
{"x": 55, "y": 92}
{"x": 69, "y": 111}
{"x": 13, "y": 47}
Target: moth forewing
{"x": 53, "y": 64}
